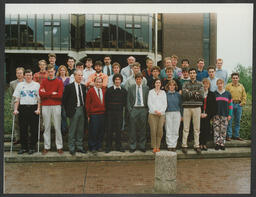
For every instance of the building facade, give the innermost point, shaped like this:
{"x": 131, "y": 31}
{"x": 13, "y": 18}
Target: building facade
{"x": 29, "y": 38}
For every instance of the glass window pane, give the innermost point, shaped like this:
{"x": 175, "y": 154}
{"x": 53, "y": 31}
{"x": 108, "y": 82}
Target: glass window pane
{"x": 121, "y": 31}
{"x": 23, "y": 30}
{"x": 145, "y": 32}
{"x": 40, "y": 31}
{"x": 113, "y": 33}
{"x": 137, "y": 32}
{"x": 56, "y": 37}
{"x": 96, "y": 38}
{"x": 64, "y": 32}
{"x": 31, "y": 30}
{"x": 128, "y": 31}
{"x": 14, "y": 30}
{"x": 73, "y": 31}
{"x": 47, "y": 37}
{"x": 105, "y": 31}
{"x": 81, "y": 37}
{"x": 7, "y": 30}
{"x": 89, "y": 31}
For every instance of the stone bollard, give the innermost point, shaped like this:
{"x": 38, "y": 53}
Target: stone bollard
{"x": 165, "y": 172}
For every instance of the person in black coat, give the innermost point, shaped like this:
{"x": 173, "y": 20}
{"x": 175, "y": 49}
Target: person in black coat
{"x": 115, "y": 101}
{"x": 208, "y": 110}
{"x": 73, "y": 101}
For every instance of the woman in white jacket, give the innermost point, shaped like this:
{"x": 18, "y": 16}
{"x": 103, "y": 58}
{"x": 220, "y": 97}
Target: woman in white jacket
{"x": 157, "y": 104}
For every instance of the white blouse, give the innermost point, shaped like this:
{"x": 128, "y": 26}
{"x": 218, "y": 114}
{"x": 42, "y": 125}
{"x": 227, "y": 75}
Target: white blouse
{"x": 157, "y": 101}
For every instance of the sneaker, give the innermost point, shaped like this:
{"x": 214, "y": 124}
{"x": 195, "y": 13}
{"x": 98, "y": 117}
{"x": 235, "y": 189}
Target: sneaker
{"x": 184, "y": 150}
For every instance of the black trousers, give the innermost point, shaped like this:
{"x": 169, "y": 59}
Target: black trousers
{"x": 114, "y": 125}
{"x": 205, "y": 131}
{"x": 28, "y": 122}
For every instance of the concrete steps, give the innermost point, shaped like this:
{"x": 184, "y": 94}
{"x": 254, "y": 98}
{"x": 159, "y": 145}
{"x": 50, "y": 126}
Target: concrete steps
{"x": 230, "y": 152}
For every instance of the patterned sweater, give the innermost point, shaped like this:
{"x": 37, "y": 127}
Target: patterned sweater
{"x": 224, "y": 103}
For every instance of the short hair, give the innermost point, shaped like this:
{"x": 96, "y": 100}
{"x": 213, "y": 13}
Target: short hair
{"x": 71, "y": 58}
{"x": 116, "y": 64}
{"x": 184, "y": 60}
{"x": 166, "y": 58}
{"x": 79, "y": 64}
{"x": 117, "y": 76}
{"x": 66, "y": 70}
{"x": 51, "y": 55}
{"x": 42, "y": 61}
{"x": 28, "y": 71}
{"x": 219, "y": 80}
{"x": 155, "y": 68}
{"x": 192, "y": 69}
{"x": 234, "y": 74}
{"x": 98, "y": 63}
{"x": 139, "y": 75}
{"x": 88, "y": 60}
{"x": 49, "y": 67}
{"x": 155, "y": 80}
{"x": 169, "y": 68}
{"x": 219, "y": 59}
{"x": 200, "y": 60}
{"x": 171, "y": 82}
{"x": 107, "y": 56}
{"x": 132, "y": 57}
{"x": 98, "y": 78}
{"x": 184, "y": 70}
{"x": 206, "y": 80}
{"x": 149, "y": 60}
{"x": 20, "y": 68}
{"x": 211, "y": 67}
{"x": 136, "y": 64}
{"x": 174, "y": 56}
{"x": 76, "y": 71}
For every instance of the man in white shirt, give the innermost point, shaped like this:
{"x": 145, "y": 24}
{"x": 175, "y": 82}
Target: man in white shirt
{"x": 127, "y": 71}
{"x": 212, "y": 78}
{"x": 220, "y": 73}
{"x": 79, "y": 66}
{"x": 88, "y": 69}
{"x": 27, "y": 105}
{"x": 107, "y": 68}
{"x": 137, "y": 98}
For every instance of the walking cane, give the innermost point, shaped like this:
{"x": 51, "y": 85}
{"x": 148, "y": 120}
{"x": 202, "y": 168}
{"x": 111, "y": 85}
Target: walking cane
{"x": 38, "y": 137}
{"x": 13, "y": 120}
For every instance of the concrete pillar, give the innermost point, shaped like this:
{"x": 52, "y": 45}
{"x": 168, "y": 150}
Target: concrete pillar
{"x": 165, "y": 172}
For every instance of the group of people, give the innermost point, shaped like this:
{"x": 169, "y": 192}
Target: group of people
{"x": 107, "y": 100}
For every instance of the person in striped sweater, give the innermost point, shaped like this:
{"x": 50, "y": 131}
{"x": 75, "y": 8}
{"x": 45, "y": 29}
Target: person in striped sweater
{"x": 223, "y": 115}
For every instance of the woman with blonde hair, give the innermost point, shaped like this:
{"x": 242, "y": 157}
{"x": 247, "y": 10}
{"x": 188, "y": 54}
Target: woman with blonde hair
{"x": 157, "y": 104}
{"x": 173, "y": 115}
{"x": 208, "y": 110}
{"x": 63, "y": 75}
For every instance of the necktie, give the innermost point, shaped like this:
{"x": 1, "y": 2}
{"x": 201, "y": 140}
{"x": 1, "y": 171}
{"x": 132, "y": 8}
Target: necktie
{"x": 80, "y": 95}
{"x": 99, "y": 95}
{"x": 138, "y": 96}
{"x": 108, "y": 71}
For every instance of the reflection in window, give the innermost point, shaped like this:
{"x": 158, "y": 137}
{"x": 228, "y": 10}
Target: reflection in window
{"x": 113, "y": 31}
{"x": 137, "y": 32}
{"x": 56, "y": 31}
{"x": 145, "y": 35}
{"x": 128, "y": 32}
{"x": 121, "y": 31}
{"x": 64, "y": 32}
{"x": 88, "y": 31}
{"x": 23, "y": 31}
{"x": 14, "y": 30}
{"x": 105, "y": 31}
{"x": 96, "y": 38}
{"x": 31, "y": 31}
{"x": 7, "y": 31}
{"x": 40, "y": 31}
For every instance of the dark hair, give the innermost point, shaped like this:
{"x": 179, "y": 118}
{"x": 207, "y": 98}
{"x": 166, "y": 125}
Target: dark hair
{"x": 71, "y": 58}
{"x": 49, "y": 67}
{"x": 155, "y": 80}
{"x": 99, "y": 63}
{"x": 107, "y": 56}
{"x": 79, "y": 64}
{"x": 200, "y": 60}
{"x": 155, "y": 68}
{"x": 234, "y": 74}
{"x": 192, "y": 69}
{"x": 117, "y": 76}
{"x": 88, "y": 59}
{"x": 116, "y": 64}
{"x": 136, "y": 64}
{"x": 184, "y": 60}
{"x": 139, "y": 75}
{"x": 28, "y": 71}
{"x": 184, "y": 70}
{"x": 211, "y": 67}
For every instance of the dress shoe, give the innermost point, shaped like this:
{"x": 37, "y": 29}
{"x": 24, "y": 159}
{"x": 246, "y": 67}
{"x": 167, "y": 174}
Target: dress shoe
{"x": 217, "y": 147}
{"x": 16, "y": 142}
{"x": 107, "y": 150}
{"x": 238, "y": 138}
{"x": 222, "y": 147}
{"x": 21, "y": 151}
{"x": 132, "y": 150}
{"x": 205, "y": 148}
{"x": 198, "y": 150}
{"x": 31, "y": 151}
{"x": 94, "y": 152}
{"x": 172, "y": 149}
{"x": 142, "y": 150}
{"x": 60, "y": 151}
{"x": 228, "y": 139}
{"x": 72, "y": 152}
{"x": 81, "y": 151}
{"x": 121, "y": 149}
{"x": 45, "y": 151}
{"x": 184, "y": 150}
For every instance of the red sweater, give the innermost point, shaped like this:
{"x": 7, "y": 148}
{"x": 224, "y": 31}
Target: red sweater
{"x": 93, "y": 103}
{"x": 50, "y": 86}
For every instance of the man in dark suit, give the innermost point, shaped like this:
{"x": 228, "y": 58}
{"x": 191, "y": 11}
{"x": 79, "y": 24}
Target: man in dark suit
{"x": 73, "y": 101}
{"x": 137, "y": 107}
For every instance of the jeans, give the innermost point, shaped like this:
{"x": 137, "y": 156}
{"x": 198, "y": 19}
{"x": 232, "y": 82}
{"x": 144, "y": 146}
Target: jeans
{"x": 237, "y": 114}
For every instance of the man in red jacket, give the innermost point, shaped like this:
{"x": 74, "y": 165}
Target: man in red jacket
{"x": 95, "y": 107}
{"x": 51, "y": 90}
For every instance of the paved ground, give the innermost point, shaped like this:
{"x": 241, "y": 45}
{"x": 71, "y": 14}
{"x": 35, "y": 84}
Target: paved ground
{"x": 231, "y": 175}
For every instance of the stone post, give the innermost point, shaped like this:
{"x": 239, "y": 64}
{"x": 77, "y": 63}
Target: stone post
{"x": 165, "y": 172}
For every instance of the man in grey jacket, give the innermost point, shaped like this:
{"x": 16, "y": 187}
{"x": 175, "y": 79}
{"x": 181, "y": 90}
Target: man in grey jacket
{"x": 192, "y": 93}
{"x": 137, "y": 98}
